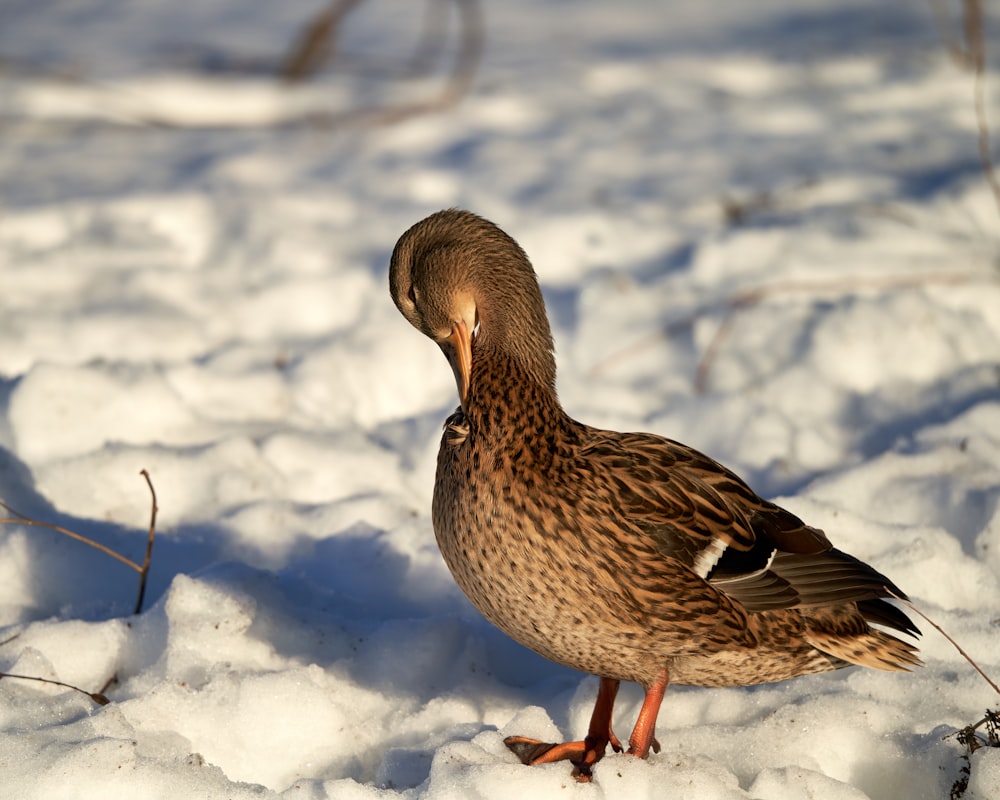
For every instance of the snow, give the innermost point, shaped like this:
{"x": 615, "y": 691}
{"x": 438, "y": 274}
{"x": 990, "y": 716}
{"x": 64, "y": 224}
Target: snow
{"x": 760, "y": 229}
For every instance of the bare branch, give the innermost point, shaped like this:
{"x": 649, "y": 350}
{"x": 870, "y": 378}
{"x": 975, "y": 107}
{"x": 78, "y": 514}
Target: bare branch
{"x": 315, "y": 45}
{"x": 970, "y": 54}
{"x": 97, "y": 697}
{"x": 144, "y": 572}
{"x": 751, "y": 297}
{"x": 21, "y": 519}
{"x": 941, "y": 630}
{"x": 976, "y": 49}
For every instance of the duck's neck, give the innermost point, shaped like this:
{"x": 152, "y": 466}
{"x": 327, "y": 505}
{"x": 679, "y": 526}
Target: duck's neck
{"x": 512, "y": 392}
{"x": 513, "y": 378}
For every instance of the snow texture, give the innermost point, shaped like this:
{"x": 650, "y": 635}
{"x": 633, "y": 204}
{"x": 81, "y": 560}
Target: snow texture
{"x": 760, "y": 228}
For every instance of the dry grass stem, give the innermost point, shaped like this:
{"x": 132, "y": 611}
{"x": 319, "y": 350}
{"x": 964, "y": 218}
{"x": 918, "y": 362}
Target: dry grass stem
{"x": 970, "y": 54}
{"x": 754, "y": 296}
{"x": 18, "y": 518}
{"x": 97, "y": 697}
{"x": 324, "y": 28}
{"x": 941, "y": 630}
{"x": 144, "y": 571}
{"x": 21, "y": 519}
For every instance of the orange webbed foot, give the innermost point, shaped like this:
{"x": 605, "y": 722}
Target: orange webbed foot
{"x": 533, "y": 751}
{"x": 583, "y": 755}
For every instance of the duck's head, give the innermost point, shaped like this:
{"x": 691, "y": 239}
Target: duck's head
{"x": 462, "y": 281}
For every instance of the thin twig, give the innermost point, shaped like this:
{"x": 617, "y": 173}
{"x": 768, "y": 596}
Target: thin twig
{"x": 941, "y": 630}
{"x": 971, "y": 55}
{"x": 434, "y": 20}
{"x": 946, "y": 30}
{"x": 992, "y": 723}
{"x": 315, "y": 45}
{"x": 107, "y": 684}
{"x": 977, "y": 51}
{"x": 456, "y": 86}
{"x": 144, "y": 572}
{"x": 755, "y": 295}
{"x": 97, "y": 697}
{"x": 752, "y": 297}
{"x": 21, "y": 519}
{"x": 311, "y": 49}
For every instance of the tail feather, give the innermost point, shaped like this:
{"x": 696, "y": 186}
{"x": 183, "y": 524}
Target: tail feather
{"x": 882, "y": 613}
{"x": 875, "y": 649}
{"x": 850, "y": 638}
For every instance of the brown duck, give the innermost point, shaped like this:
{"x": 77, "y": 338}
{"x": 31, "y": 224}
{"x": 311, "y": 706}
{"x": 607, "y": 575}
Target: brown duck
{"x": 625, "y": 555}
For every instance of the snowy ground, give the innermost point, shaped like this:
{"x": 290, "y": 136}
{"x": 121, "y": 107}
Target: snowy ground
{"x": 206, "y": 298}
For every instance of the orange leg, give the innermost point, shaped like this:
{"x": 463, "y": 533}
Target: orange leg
{"x": 583, "y": 754}
{"x": 643, "y": 734}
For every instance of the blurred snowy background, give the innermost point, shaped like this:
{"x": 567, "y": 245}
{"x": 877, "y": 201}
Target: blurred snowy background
{"x": 762, "y": 229}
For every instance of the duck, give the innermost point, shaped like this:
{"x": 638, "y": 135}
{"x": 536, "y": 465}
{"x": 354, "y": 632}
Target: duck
{"x": 627, "y": 556}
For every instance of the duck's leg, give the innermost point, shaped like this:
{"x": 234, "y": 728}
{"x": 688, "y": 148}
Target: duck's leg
{"x": 643, "y": 734}
{"x": 583, "y": 754}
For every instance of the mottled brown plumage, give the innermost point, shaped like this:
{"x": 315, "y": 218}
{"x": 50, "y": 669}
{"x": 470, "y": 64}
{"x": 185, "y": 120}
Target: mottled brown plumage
{"x": 625, "y": 555}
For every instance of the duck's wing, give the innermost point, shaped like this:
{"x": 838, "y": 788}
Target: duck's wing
{"x": 704, "y": 516}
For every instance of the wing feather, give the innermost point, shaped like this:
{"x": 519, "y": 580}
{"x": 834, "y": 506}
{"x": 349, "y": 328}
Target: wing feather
{"x": 762, "y": 556}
